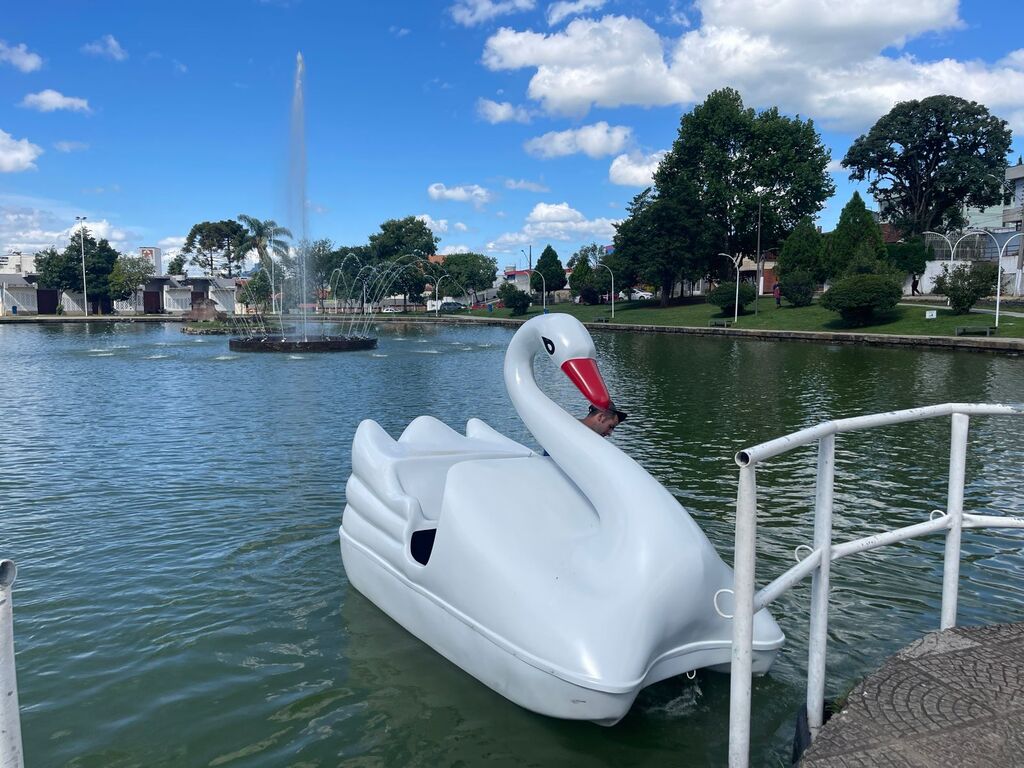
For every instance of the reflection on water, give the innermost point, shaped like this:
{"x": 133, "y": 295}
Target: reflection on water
{"x": 181, "y": 599}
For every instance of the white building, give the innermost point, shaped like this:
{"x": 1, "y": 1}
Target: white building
{"x": 154, "y": 256}
{"x": 17, "y": 296}
{"x": 17, "y": 263}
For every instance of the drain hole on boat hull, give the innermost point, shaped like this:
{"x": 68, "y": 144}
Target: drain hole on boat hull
{"x": 422, "y": 545}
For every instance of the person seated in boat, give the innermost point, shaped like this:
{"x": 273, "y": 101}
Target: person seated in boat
{"x": 604, "y": 420}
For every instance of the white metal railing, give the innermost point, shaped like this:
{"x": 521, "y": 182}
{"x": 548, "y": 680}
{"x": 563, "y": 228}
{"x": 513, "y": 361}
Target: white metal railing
{"x": 747, "y": 602}
{"x": 10, "y": 723}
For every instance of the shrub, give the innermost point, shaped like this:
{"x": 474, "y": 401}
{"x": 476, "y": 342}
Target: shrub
{"x": 859, "y": 297}
{"x": 589, "y": 295}
{"x": 516, "y": 300}
{"x": 724, "y": 296}
{"x": 965, "y": 284}
{"x": 798, "y": 289}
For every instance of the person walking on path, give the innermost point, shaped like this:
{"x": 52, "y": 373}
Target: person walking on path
{"x": 913, "y": 286}
{"x": 777, "y": 293}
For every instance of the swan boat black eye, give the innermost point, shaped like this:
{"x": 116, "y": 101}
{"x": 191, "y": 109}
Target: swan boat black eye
{"x": 549, "y": 345}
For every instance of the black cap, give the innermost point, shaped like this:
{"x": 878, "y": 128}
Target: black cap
{"x": 621, "y": 415}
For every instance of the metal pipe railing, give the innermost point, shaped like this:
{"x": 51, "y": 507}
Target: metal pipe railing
{"x": 10, "y": 723}
{"x": 817, "y": 564}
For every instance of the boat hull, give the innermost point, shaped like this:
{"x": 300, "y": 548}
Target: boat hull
{"x": 524, "y": 681}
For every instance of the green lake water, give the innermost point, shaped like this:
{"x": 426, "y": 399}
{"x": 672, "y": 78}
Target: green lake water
{"x": 173, "y": 509}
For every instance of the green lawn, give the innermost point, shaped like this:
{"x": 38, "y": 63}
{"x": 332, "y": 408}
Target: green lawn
{"x": 902, "y": 321}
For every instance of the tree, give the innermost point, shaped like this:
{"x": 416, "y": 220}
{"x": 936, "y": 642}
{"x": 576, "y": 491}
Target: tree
{"x": 727, "y": 162}
{"x": 582, "y": 276}
{"x": 551, "y": 268}
{"x": 58, "y": 270}
{"x": 927, "y": 160}
{"x": 802, "y": 252}
{"x": 473, "y": 271}
{"x": 724, "y": 296}
{"x": 513, "y": 298}
{"x": 216, "y": 243}
{"x": 63, "y": 270}
{"x": 909, "y": 256}
{"x": 321, "y": 261}
{"x": 855, "y": 246}
{"x": 265, "y": 237}
{"x": 128, "y": 274}
{"x": 965, "y": 284}
{"x": 406, "y": 241}
{"x": 177, "y": 265}
{"x": 658, "y": 240}
{"x": 858, "y": 298}
{"x": 257, "y": 291}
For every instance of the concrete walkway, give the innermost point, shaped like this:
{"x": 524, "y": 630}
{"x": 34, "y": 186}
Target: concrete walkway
{"x": 953, "y": 698}
{"x": 975, "y": 310}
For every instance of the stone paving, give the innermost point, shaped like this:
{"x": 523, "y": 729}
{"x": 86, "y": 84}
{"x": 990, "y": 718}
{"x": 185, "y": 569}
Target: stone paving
{"x": 953, "y": 698}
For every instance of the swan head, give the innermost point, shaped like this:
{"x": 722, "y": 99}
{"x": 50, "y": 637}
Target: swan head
{"x": 569, "y": 346}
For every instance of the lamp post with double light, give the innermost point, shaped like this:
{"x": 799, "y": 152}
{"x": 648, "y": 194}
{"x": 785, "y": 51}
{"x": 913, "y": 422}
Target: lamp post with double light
{"x": 736, "y": 261}
{"x": 85, "y": 290}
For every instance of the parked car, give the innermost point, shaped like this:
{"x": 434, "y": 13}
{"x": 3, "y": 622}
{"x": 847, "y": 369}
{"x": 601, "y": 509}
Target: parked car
{"x": 388, "y": 310}
{"x": 636, "y": 294}
{"x": 452, "y": 306}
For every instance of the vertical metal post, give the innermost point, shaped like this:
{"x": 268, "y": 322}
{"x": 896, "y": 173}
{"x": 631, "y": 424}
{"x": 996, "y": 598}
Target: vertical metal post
{"x": 818, "y": 639}
{"x": 743, "y": 619}
{"x": 10, "y": 725}
{"x": 955, "y": 513}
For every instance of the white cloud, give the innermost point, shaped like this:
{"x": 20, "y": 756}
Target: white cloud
{"x": 450, "y": 249}
{"x": 70, "y": 146}
{"x": 466, "y": 193}
{"x": 834, "y": 166}
{"x": 595, "y": 140}
{"x": 170, "y": 243}
{"x": 555, "y": 222}
{"x": 612, "y": 62}
{"x": 437, "y": 226}
{"x": 20, "y": 57}
{"x": 30, "y": 225}
{"x": 501, "y": 112}
{"x": 179, "y": 67}
{"x": 51, "y": 100}
{"x": 529, "y": 186}
{"x": 830, "y": 59}
{"x": 562, "y": 10}
{"x": 17, "y": 155}
{"x": 107, "y": 47}
{"x": 460, "y": 227}
{"x": 469, "y": 13}
{"x": 398, "y": 31}
{"x": 635, "y": 169}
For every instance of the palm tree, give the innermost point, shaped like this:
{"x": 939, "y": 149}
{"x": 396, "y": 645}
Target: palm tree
{"x": 266, "y": 238}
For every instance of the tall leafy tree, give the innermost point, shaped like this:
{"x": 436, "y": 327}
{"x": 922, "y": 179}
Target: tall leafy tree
{"x": 927, "y": 160}
{"x": 802, "y": 252}
{"x": 856, "y": 245}
{"x": 257, "y": 291}
{"x": 177, "y": 265}
{"x": 407, "y": 241}
{"x": 473, "y": 271}
{"x": 733, "y": 163}
{"x": 582, "y": 276}
{"x": 264, "y": 236}
{"x": 550, "y": 266}
{"x": 322, "y": 261}
{"x": 56, "y": 269}
{"x": 128, "y": 275}
{"x": 63, "y": 270}
{"x": 217, "y": 246}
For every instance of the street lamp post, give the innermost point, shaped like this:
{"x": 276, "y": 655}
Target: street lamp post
{"x": 613, "y": 286}
{"x": 736, "y": 260}
{"x": 85, "y": 290}
{"x": 544, "y": 294}
{"x": 999, "y": 272}
{"x": 437, "y": 304}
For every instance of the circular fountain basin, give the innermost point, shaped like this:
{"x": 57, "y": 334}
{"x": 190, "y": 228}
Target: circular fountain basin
{"x": 291, "y": 344}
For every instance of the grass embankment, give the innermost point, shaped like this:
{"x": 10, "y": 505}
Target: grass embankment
{"x": 907, "y": 321}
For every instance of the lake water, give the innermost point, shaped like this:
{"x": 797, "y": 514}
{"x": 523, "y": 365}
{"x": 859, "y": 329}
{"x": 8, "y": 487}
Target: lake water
{"x": 173, "y": 510}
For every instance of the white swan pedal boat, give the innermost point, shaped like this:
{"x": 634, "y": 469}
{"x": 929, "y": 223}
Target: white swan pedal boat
{"x": 565, "y": 582}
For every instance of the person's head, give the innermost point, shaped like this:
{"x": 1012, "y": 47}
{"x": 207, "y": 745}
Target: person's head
{"x": 603, "y": 420}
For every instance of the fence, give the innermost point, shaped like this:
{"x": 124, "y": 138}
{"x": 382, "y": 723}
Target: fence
{"x": 822, "y": 552}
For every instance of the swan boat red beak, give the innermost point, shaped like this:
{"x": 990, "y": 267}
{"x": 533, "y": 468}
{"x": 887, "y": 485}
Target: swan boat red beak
{"x": 583, "y": 372}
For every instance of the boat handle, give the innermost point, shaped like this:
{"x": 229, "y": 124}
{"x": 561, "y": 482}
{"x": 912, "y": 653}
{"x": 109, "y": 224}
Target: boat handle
{"x": 719, "y": 610}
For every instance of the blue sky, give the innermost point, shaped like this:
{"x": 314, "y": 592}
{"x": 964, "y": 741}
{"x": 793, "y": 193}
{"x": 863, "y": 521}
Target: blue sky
{"x": 504, "y": 123}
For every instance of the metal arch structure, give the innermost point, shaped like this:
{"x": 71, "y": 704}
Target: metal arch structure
{"x": 951, "y": 521}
